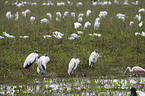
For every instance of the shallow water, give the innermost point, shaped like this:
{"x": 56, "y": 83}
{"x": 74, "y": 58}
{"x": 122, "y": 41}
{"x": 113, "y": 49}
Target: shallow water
{"x": 100, "y": 86}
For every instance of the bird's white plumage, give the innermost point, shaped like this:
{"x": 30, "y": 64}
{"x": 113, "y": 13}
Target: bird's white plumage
{"x": 42, "y": 61}
{"x": 30, "y": 59}
{"x": 93, "y": 57}
{"x": 73, "y": 65}
{"x": 140, "y": 93}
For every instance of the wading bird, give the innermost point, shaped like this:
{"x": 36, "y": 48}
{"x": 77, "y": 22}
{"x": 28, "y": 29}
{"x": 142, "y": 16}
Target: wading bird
{"x": 30, "y": 59}
{"x": 137, "y": 69}
{"x": 42, "y": 61}
{"x": 93, "y": 58}
{"x": 73, "y": 65}
{"x": 136, "y": 93}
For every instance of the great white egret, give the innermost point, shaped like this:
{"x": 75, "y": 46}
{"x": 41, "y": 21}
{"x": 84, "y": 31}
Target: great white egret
{"x": 73, "y": 65}
{"x": 93, "y": 58}
{"x": 42, "y": 61}
{"x": 30, "y": 59}
{"x": 136, "y": 93}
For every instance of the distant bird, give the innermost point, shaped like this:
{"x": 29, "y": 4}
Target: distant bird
{"x": 73, "y": 65}
{"x": 42, "y": 61}
{"x": 77, "y": 25}
{"x": 140, "y": 24}
{"x": 97, "y": 24}
{"x": 88, "y": 13}
{"x": 93, "y": 58}
{"x": 136, "y": 69}
{"x": 32, "y": 19}
{"x": 136, "y": 93}
{"x": 30, "y": 59}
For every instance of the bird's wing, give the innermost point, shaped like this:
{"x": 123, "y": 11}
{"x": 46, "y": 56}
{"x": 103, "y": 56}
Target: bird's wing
{"x": 30, "y": 59}
{"x": 140, "y": 93}
{"x": 91, "y": 58}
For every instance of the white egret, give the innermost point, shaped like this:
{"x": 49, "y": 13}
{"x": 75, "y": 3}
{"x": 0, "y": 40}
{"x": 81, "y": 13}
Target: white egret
{"x": 1, "y": 37}
{"x": 9, "y": 15}
{"x": 73, "y": 65}
{"x": 141, "y": 10}
{"x": 60, "y": 3}
{"x": 30, "y": 59}
{"x": 73, "y": 14}
{"x": 143, "y": 34}
{"x": 77, "y": 25}
{"x": 79, "y": 3}
{"x": 102, "y": 14}
{"x": 8, "y": 35}
{"x": 58, "y": 14}
{"x": 138, "y": 17}
{"x": 57, "y": 35}
{"x": 46, "y": 36}
{"x": 86, "y": 25}
{"x": 65, "y": 14}
{"x": 93, "y": 58}
{"x": 135, "y": 3}
{"x": 136, "y": 93}
{"x": 32, "y": 19}
{"x": 88, "y": 13}
{"x": 24, "y": 36}
{"x": 136, "y": 33}
{"x": 131, "y": 23}
{"x": 42, "y": 61}
{"x": 80, "y": 19}
{"x": 96, "y": 25}
{"x": 44, "y": 21}
{"x": 49, "y": 15}
{"x": 140, "y": 24}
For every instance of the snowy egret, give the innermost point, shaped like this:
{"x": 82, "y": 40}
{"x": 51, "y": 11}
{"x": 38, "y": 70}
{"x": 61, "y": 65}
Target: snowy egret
{"x": 44, "y": 21}
{"x": 42, "y": 61}
{"x": 93, "y": 58}
{"x": 136, "y": 93}
{"x": 57, "y": 35}
{"x": 73, "y": 65}
{"x": 58, "y": 14}
{"x": 80, "y": 19}
{"x": 30, "y": 59}
{"x": 137, "y": 69}
{"x": 9, "y": 15}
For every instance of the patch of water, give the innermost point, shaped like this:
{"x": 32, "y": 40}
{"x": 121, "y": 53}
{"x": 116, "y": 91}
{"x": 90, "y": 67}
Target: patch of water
{"x": 76, "y": 86}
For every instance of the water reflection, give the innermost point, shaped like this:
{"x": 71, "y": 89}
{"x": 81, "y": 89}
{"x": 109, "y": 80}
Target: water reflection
{"x": 75, "y": 86}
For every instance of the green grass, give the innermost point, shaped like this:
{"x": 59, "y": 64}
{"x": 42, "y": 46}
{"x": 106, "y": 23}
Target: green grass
{"x": 118, "y": 46}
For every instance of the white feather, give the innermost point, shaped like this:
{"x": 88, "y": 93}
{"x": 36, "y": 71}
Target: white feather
{"x": 30, "y": 59}
{"x": 73, "y": 65}
{"x": 93, "y": 57}
{"x": 43, "y": 60}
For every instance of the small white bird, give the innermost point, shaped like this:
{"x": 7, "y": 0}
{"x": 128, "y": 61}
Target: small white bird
{"x": 136, "y": 93}
{"x": 87, "y": 24}
{"x": 96, "y": 25}
{"x": 140, "y": 24}
{"x": 42, "y": 61}
{"x": 73, "y": 65}
{"x": 8, "y": 35}
{"x": 44, "y": 21}
{"x": 88, "y": 13}
{"x": 32, "y": 19}
{"x": 77, "y": 25}
{"x": 58, "y": 14}
{"x": 30, "y": 59}
{"x": 93, "y": 58}
{"x": 49, "y": 15}
{"x": 65, "y": 14}
{"x": 73, "y": 15}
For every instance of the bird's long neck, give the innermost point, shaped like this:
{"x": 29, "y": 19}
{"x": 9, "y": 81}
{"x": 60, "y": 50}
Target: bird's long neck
{"x": 130, "y": 69}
